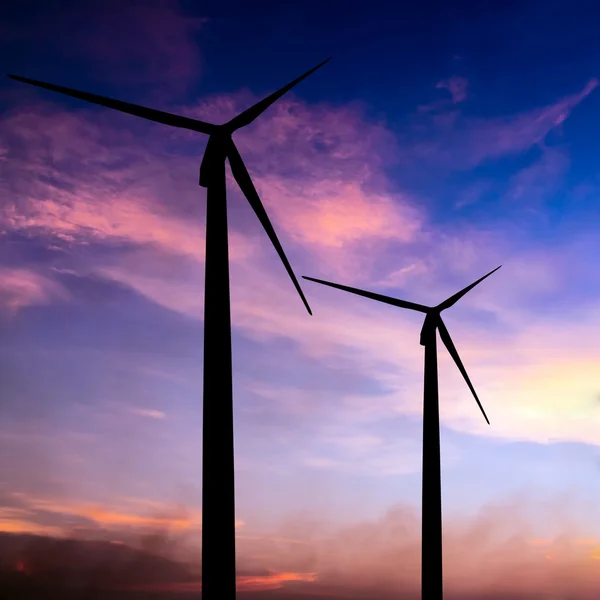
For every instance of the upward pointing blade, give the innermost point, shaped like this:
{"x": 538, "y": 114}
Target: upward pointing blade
{"x": 158, "y": 116}
{"x": 445, "y": 335}
{"x": 373, "y": 296}
{"x": 454, "y": 299}
{"x": 246, "y": 117}
{"x": 242, "y": 177}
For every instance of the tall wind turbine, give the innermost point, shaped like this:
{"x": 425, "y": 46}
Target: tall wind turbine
{"x": 218, "y": 490}
{"x": 431, "y": 514}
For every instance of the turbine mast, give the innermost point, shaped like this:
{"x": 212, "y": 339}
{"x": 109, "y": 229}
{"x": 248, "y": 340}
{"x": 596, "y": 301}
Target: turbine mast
{"x": 431, "y": 513}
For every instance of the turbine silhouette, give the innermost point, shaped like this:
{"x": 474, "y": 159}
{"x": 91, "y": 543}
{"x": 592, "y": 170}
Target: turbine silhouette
{"x": 431, "y": 515}
{"x": 218, "y": 491}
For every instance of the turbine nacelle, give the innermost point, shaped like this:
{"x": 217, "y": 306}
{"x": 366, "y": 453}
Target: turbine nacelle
{"x": 215, "y": 153}
{"x": 430, "y": 325}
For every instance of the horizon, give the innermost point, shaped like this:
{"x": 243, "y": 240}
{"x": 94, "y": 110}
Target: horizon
{"x": 438, "y": 143}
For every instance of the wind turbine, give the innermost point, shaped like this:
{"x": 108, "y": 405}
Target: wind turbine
{"x": 218, "y": 491}
{"x": 431, "y": 514}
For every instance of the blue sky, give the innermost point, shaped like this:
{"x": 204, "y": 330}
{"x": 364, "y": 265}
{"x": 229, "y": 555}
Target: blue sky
{"x": 441, "y": 141}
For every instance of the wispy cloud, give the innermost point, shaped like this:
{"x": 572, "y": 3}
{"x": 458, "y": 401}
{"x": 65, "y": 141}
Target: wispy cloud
{"x": 465, "y": 142}
{"x": 147, "y": 412}
{"x": 456, "y": 87}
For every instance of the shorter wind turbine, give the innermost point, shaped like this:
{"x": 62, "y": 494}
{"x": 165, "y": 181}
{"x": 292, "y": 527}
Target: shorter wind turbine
{"x": 431, "y": 514}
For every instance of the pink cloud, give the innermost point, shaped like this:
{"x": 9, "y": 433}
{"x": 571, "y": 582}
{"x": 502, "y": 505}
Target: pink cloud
{"x": 319, "y": 172}
{"x": 336, "y": 213}
{"x": 313, "y": 166}
{"x": 20, "y": 287}
{"x": 341, "y": 222}
{"x": 78, "y": 181}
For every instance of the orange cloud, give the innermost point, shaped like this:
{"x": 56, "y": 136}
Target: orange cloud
{"x": 103, "y": 516}
{"x": 244, "y": 583}
{"x": 142, "y": 514}
{"x": 13, "y": 525}
{"x": 273, "y": 581}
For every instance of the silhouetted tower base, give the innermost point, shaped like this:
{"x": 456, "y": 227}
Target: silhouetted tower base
{"x": 218, "y": 509}
{"x": 431, "y": 518}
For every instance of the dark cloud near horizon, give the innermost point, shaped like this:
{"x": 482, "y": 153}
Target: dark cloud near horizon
{"x": 76, "y": 569}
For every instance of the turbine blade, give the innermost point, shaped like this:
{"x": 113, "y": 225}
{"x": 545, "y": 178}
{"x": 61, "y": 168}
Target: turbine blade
{"x": 242, "y": 177}
{"x": 246, "y": 117}
{"x": 157, "y": 116}
{"x": 445, "y": 335}
{"x": 454, "y": 299}
{"x": 373, "y": 296}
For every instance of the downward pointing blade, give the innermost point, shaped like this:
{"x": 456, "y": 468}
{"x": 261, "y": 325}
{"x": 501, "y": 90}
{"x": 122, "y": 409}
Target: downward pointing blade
{"x": 158, "y": 116}
{"x": 242, "y": 177}
{"x": 454, "y": 299}
{"x": 373, "y": 296}
{"x": 454, "y": 354}
{"x": 246, "y": 117}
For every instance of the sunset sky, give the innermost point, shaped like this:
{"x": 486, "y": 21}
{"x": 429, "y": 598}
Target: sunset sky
{"x": 441, "y": 141}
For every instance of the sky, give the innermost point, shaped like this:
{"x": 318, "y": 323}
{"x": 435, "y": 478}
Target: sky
{"x": 441, "y": 141}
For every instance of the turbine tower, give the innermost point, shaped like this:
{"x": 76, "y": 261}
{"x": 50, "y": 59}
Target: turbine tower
{"x": 218, "y": 490}
{"x": 431, "y": 499}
